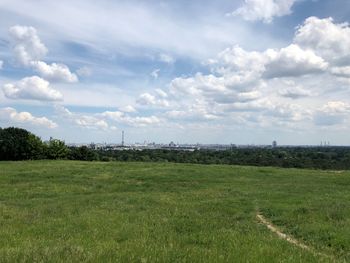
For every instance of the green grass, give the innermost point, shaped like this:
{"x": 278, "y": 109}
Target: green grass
{"x": 65, "y": 211}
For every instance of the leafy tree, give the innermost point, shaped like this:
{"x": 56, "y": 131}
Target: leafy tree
{"x": 56, "y": 149}
{"x": 19, "y": 144}
{"x": 83, "y": 153}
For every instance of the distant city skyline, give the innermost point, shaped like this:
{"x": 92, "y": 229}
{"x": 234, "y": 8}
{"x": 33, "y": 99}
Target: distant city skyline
{"x": 242, "y": 72}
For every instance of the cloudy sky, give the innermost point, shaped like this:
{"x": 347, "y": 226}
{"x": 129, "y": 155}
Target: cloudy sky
{"x": 227, "y": 71}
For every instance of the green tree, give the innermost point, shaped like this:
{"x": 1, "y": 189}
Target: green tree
{"x": 56, "y": 149}
{"x": 83, "y": 153}
{"x": 19, "y": 144}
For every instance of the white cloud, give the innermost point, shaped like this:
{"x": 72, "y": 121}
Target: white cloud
{"x": 332, "y": 113}
{"x": 83, "y": 120}
{"x": 91, "y": 122}
{"x": 155, "y": 73}
{"x": 138, "y": 121}
{"x": 158, "y": 28}
{"x": 166, "y": 58}
{"x": 1, "y": 64}
{"x": 114, "y": 115}
{"x": 246, "y": 82}
{"x": 287, "y": 112}
{"x": 128, "y": 109}
{"x": 54, "y": 72}
{"x": 341, "y": 71}
{"x": 264, "y": 10}
{"x": 142, "y": 121}
{"x": 284, "y": 62}
{"x": 294, "y": 91}
{"x": 29, "y": 50}
{"x": 238, "y": 59}
{"x": 194, "y": 113}
{"x": 161, "y": 93}
{"x": 27, "y": 44}
{"x": 251, "y": 106}
{"x": 292, "y": 61}
{"x": 11, "y": 115}
{"x": 198, "y": 85}
{"x": 225, "y": 89}
{"x": 57, "y": 72}
{"x": 32, "y": 88}
{"x": 329, "y": 40}
{"x": 84, "y": 71}
{"x": 147, "y": 99}
{"x": 243, "y": 86}
{"x": 106, "y": 119}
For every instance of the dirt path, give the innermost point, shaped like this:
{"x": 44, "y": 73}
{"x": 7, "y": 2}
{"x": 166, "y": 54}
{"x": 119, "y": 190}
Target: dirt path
{"x": 288, "y": 238}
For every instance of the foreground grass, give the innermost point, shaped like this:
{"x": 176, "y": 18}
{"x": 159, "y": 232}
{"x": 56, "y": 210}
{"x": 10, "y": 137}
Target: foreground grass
{"x": 65, "y": 211}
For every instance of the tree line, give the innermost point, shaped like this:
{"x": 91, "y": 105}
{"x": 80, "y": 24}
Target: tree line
{"x": 20, "y": 144}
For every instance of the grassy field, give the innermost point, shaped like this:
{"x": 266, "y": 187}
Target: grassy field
{"x": 65, "y": 211}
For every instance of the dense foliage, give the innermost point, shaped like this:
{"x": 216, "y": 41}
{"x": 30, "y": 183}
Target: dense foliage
{"x": 298, "y": 157}
{"x": 19, "y": 144}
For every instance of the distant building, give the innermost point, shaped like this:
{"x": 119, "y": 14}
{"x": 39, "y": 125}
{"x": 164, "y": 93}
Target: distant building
{"x": 172, "y": 144}
{"x": 123, "y": 138}
{"x": 274, "y": 144}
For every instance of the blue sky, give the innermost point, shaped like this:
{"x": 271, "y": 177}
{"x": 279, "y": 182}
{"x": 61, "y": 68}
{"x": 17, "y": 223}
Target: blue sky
{"x": 245, "y": 71}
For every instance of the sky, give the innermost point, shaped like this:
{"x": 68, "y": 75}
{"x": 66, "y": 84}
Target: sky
{"x": 199, "y": 71}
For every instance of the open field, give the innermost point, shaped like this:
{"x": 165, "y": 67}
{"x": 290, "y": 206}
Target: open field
{"x": 65, "y": 211}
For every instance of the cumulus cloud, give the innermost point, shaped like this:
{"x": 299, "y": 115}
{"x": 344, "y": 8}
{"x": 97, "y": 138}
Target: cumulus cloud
{"x": 147, "y": 99}
{"x": 27, "y": 45}
{"x": 341, "y": 71}
{"x": 10, "y": 115}
{"x": 294, "y": 91}
{"x": 91, "y": 122}
{"x": 268, "y": 87}
{"x": 83, "y": 120}
{"x": 29, "y": 50}
{"x": 196, "y": 112}
{"x": 264, "y": 10}
{"x": 197, "y": 85}
{"x": 105, "y": 120}
{"x": 292, "y": 61}
{"x": 332, "y": 113}
{"x": 54, "y": 72}
{"x": 287, "y": 112}
{"x": 161, "y": 93}
{"x": 31, "y": 88}
{"x": 244, "y": 83}
{"x": 142, "y": 121}
{"x": 137, "y": 121}
{"x": 326, "y": 38}
{"x": 238, "y": 59}
{"x": 1, "y": 64}
{"x": 285, "y": 62}
{"x": 114, "y": 115}
{"x": 128, "y": 109}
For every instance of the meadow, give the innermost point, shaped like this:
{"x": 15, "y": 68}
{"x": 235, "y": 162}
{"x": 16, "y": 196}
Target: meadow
{"x": 73, "y": 211}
